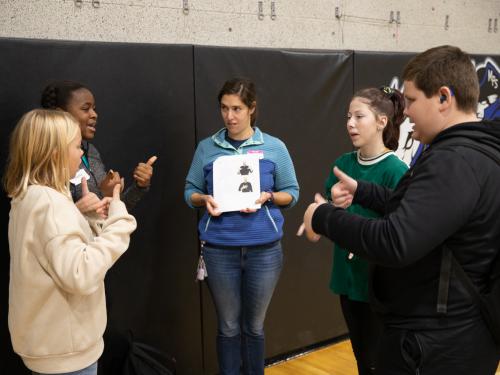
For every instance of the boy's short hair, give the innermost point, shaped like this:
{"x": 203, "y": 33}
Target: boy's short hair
{"x": 445, "y": 66}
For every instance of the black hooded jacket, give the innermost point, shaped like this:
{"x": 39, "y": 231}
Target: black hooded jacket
{"x": 451, "y": 197}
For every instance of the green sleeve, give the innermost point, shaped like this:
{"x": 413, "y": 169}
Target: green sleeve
{"x": 394, "y": 174}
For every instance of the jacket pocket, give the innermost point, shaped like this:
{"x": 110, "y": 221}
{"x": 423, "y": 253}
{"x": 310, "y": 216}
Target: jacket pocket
{"x": 411, "y": 350}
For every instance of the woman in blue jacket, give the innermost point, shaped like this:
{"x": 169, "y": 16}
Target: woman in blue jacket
{"x": 242, "y": 249}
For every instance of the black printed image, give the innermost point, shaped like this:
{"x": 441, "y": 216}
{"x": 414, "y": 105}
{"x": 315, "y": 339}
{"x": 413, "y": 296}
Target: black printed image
{"x": 245, "y": 170}
{"x": 245, "y": 187}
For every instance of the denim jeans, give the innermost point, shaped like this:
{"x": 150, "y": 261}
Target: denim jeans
{"x": 242, "y": 281}
{"x": 91, "y": 370}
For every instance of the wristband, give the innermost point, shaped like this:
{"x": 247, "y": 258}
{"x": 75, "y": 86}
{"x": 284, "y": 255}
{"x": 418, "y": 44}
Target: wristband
{"x": 271, "y": 199}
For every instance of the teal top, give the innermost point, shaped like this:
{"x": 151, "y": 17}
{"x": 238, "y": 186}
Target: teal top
{"x": 350, "y": 276}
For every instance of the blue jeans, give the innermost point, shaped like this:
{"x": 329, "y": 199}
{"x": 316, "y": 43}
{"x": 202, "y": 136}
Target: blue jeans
{"x": 242, "y": 281}
{"x": 91, "y": 370}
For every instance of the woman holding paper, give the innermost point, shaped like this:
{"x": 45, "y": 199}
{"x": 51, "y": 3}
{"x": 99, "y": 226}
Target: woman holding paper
{"x": 241, "y": 249}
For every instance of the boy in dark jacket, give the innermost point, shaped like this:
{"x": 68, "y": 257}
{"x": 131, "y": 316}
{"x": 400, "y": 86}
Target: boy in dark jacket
{"x": 450, "y": 199}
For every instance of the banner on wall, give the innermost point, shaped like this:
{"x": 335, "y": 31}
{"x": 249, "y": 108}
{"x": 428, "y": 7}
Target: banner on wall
{"x": 489, "y": 102}
{"x": 488, "y": 106}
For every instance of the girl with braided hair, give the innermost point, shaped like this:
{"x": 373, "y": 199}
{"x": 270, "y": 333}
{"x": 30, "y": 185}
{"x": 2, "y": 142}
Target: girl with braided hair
{"x": 78, "y": 100}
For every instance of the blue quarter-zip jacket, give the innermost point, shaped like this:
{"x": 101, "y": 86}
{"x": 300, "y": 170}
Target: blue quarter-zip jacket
{"x": 276, "y": 174}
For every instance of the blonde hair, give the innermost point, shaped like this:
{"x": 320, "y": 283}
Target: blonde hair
{"x": 38, "y": 152}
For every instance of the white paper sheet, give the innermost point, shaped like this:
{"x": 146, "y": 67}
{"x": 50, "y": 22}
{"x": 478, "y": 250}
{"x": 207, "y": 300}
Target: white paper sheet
{"x": 77, "y": 180}
{"x": 236, "y": 182}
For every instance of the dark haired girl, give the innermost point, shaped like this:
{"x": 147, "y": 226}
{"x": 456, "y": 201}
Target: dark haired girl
{"x": 373, "y": 124}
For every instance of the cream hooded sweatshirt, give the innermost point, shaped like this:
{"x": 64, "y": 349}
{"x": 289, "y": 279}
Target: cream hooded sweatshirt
{"x": 57, "y": 308}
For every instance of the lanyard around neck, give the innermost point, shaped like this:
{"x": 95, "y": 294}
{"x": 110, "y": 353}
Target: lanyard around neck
{"x": 86, "y": 162}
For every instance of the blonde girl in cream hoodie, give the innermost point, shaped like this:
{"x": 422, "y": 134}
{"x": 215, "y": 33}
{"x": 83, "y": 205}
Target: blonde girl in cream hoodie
{"x": 58, "y": 257}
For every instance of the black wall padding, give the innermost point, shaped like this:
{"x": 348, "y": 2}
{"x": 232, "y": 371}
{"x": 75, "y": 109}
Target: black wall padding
{"x": 145, "y": 101}
{"x": 302, "y": 98}
{"x": 375, "y": 69}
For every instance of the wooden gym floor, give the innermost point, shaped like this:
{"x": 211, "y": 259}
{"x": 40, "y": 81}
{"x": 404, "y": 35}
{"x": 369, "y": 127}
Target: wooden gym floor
{"x": 336, "y": 359}
{"x": 331, "y": 360}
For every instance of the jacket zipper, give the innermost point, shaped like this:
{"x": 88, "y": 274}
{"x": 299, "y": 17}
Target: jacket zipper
{"x": 271, "y": 218}
{"x": 208, "y": 222}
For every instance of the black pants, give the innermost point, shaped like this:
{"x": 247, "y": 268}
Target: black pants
{"x": 467, "y": 349}
{"x": 365, "y": 330}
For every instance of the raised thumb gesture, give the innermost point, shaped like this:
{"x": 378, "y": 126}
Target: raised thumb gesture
{"x": 151, "y": 160}
{"x": 85, "y": 187}
{"x": 117, "y": 189}
{"x": 89, "y": 202}
{"x": 106, "y": 201}
{"x": 143, "y": 172}
{"x": 343, "y": 191}
{"x": 348, "y": 182}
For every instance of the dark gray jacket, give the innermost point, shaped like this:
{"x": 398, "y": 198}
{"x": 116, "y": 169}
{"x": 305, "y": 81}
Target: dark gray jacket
{"x": 97, "y": 172}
